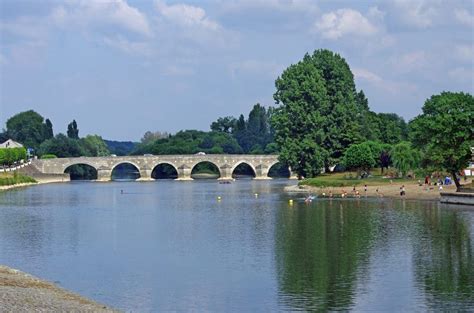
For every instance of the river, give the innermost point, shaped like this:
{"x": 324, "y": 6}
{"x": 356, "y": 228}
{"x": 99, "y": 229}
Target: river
{"x": 169, "y": 245}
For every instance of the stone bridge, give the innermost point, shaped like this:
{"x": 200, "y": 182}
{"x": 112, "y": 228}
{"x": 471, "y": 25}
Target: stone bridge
{"x": 183, "y": 164}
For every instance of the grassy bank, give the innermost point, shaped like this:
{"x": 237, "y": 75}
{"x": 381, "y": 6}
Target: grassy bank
{"x": 9, "y": 179}
{"x": 349, "y": 179}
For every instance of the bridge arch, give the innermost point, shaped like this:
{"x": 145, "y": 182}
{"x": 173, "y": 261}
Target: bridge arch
{"x": 125, "y": 170}
{"x": 208, "y": 167}
{"x": 81, "y": 171}
{"x": 278, "y": 170}
{"x": 164, "y": 170}
{"x": 245, "y": 164}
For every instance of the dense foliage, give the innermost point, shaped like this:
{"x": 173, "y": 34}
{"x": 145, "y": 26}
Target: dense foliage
{"x": 190, "y": 142}
{"x": 405, "y": 157}
{"x": 64, "y": 147}
{"x": 321, "y": 114}
{"x": 359, "y": 157}
{"x": 120, "y": 147}
{"x": 445, "y": 131}
{"x": 8, "y": 156}
{"x": 29, "y": 128}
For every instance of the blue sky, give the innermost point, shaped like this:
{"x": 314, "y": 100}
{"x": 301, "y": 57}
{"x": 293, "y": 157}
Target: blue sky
{"x": 122, "y": 67}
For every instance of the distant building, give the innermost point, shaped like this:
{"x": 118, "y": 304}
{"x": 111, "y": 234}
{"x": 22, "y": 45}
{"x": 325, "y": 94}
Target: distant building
{"x": 11, "y": 144}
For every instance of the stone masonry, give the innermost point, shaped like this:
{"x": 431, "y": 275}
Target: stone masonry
{"x": 183, "y": 164}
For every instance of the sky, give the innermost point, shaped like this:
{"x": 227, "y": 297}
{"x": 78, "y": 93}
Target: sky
{"x": 124, "y": 67}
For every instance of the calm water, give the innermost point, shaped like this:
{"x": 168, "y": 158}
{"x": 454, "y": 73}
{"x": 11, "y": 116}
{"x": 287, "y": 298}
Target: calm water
{"x": 172, "y": 246}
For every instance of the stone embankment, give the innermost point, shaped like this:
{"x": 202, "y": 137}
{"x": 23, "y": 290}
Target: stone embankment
{"x": 20, "y": 292}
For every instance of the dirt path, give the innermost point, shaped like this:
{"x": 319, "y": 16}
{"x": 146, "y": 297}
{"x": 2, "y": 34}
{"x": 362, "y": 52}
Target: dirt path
{"x": 20, "y": 292}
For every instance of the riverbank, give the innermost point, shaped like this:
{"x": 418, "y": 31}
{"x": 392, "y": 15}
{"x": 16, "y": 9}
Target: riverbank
{"x": 412, "y": 191}
{"x": 21, "y": 292}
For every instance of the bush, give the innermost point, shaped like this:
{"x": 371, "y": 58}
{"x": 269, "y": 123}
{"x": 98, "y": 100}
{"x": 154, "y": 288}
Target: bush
{"x": 48, "y": 156}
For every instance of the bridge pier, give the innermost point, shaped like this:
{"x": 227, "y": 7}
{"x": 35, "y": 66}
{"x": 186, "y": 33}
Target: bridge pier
{"x": 145, "y": 174}
{"x": 261, "y": 172}
{"x": 104, "y": 174}
{"x": 225, "y": 172}
{"x": 184, "y": 173}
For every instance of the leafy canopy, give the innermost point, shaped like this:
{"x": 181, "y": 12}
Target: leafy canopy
{"x": 444, "y": 131}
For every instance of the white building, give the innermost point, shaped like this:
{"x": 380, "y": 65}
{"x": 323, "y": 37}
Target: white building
{"x": 11, "y": 144}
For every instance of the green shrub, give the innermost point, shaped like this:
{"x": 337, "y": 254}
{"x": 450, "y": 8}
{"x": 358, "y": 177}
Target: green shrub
{"x": 48, "y": 156}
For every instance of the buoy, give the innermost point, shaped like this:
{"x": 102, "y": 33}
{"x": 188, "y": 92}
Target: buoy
{"x": 290, "y": 201}
{"x": 256, "y": 195}
{"x": 324, "y": 194}
{"x": 219, "y": 198}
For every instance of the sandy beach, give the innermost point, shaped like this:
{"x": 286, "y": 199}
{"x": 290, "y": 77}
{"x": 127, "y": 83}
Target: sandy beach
{"x": 412, "y": 191}
{"x": 21, "y": 292}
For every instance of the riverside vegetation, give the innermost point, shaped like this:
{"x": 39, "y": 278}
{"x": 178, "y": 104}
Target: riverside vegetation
{"x": 321, "y": 122}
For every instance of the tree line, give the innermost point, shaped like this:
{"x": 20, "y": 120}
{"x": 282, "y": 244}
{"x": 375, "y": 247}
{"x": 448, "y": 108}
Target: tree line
{"x": 321, "y": 122}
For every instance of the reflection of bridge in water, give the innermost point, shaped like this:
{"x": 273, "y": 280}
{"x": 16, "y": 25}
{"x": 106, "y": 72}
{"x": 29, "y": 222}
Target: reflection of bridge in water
{"x": 183, "y": 164}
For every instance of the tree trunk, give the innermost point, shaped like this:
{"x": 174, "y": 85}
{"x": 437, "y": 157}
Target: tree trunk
{"x": 458, "y": 185}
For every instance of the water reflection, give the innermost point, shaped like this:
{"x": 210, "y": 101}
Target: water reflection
{"x": 320, "y": 249}
{"x": 444, "y": 265}
{"x": 173, "y": 246}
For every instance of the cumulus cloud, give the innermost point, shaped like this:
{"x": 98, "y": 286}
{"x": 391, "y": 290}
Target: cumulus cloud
{"x": 336, "y": 24}
{"x": 417, "y": 13}
{"x": 186, "y": 15}
{"x": 90, "y": 13}
{"x": 378, "y": 82}
{"x": 128, "y": 46}
{"x": 410, "y": 61}
{"x": 279, "y": 5}
{"x": 464, "y": 17}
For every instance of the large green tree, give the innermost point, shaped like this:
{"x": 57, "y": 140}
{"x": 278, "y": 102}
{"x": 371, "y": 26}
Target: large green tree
{"x": 318, "y": 104}
{"x": 445, "y": 131}
{"x": 29, "y": 128}
{"x": 359, "y": 157}
{"x": 72, "y": 130}
{"x": 404, "y": 157}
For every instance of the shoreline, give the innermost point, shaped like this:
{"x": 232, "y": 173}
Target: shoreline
{"x": 20, "y": 292}
{"x": 391, "y": 191}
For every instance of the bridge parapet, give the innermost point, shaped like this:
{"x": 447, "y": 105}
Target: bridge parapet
{"x": 183, "y": 164}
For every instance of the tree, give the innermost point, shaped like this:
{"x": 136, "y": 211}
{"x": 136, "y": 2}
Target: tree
{"x": 72, "y": 131}
{"x": 27, "y": 128}
{"x": 404, "y": 157}
{"x": 48, "y": 129}
{"x": 224, "y": 124}
{"x": 94, "y": 145}
{"x": 317, "y": 104}
{"x": 359, "y": 157}
{"x": 392, "y": 128}
{"x": 62, "y": 147}
{"x": 445, "y": 131}
{"x": 150, "y": 137}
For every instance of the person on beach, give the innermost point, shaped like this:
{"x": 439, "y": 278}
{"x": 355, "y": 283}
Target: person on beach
{"x": 365, "y": 189}
{"x": 330, "y": 194}
{"x": 402, "y": 191}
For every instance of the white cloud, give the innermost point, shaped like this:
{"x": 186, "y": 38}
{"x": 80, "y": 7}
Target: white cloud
{"x": 418, "y": 13}
{"x": 380, "y": 83}
{"x": 186, "y": 15}
{"x": 336, "y": 24}
{"x": 127, "y": 46}
{"x": 90, "y": 13}
{"x": 464, "y": 17}
{"x": 307, "y": 6}
{"x": 411, "y": 61}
